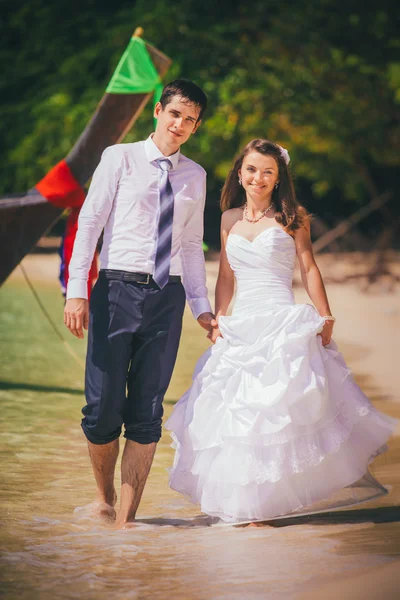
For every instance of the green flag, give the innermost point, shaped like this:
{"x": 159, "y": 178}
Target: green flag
{"x": 135, "y": 73}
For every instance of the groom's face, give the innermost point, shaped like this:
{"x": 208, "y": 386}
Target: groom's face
{"x": 177, "y": 121}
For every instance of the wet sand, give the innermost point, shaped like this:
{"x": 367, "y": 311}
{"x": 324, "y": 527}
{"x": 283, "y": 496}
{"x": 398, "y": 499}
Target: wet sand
{"x": 49, "y": 552}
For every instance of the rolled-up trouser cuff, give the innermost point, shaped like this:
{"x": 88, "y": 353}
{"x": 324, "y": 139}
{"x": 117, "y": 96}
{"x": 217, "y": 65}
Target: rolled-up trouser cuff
{"x": 99, "y": 439}
{"x": 146, "y": 435}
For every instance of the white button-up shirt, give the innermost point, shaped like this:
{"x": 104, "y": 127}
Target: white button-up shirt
{"x": 124, "y": 200}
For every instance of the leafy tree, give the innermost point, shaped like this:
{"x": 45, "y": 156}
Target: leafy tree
{"x": 320, "y": 77}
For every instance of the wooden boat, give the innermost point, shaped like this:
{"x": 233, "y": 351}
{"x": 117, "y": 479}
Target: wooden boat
{"x": 24, "y": 218}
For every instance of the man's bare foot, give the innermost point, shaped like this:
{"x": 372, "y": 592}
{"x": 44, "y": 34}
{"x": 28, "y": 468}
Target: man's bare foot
{"x": 98, "y": 509}
{"x": 112, "y": 501}
{"x": 103, "y": 458}
{"x": 104, "y": 511}
{"x": 135, "y": 467}
{"x": 119, "y": 525}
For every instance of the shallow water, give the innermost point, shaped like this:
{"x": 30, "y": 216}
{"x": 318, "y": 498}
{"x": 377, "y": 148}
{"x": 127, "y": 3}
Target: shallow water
{"x": 50, "y": 552}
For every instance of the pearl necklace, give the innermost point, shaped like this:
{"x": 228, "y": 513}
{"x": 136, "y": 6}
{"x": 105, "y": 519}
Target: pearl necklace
{"x": 264, "y": 212}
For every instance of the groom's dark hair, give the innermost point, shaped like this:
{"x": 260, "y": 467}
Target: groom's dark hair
{"x": 188, "y": 91}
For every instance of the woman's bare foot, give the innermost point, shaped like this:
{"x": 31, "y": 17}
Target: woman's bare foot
{"x": 252, "y": 524}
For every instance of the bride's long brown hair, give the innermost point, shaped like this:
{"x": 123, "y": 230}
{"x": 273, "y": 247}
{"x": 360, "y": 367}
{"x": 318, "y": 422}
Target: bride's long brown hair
{"x": 288, "y": 212}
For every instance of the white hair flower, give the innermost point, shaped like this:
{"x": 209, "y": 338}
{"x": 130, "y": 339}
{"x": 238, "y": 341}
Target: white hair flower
{"x": 284, "y": 154}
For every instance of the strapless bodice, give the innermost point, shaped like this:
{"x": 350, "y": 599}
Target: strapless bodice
{"x": 263, "y": 269}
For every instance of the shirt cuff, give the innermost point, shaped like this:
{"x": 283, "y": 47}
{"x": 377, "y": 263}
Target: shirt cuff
{"x": 198, "y": 306}
{"x": 77, "y": 288}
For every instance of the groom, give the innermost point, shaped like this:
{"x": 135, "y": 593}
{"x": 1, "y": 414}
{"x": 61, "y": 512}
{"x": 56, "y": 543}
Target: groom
{"x": 149, "y": 199}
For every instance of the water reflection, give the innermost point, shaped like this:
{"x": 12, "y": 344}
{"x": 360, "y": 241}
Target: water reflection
{"x": 173, "y": 552}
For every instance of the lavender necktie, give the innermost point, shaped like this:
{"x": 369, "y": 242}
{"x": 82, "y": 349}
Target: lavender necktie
{"x": 163, "y": 252}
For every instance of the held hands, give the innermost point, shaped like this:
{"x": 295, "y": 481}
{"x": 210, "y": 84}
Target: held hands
{"x": 76, "y": 316}
{"x": 210, "y": 324}
{"x": 214, "y": 334}
{"x": 326, "y": 332}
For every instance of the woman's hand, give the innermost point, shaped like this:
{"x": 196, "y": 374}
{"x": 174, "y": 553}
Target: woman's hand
{"x": 326, "y": 332}
{"x": 214, "y": 334}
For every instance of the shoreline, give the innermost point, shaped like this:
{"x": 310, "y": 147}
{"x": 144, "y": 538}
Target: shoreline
{"x": 366, "y": 322}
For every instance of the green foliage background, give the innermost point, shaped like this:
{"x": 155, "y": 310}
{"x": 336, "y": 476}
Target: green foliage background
{"x": 321, "y": 77}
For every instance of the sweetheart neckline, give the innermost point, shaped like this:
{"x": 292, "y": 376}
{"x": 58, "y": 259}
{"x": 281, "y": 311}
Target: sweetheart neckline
{"x": 259, "y": 235}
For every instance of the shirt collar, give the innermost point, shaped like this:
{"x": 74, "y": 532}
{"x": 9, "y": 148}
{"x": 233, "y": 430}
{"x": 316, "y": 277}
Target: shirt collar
{"x": 153, "y": 153}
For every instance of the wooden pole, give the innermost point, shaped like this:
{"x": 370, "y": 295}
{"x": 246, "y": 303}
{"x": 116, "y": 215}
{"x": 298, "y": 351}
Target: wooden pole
{"x": 347, "y": 224}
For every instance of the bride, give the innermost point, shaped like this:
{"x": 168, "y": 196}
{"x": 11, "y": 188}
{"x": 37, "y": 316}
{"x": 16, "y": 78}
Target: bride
{"x": 273, "y": 423}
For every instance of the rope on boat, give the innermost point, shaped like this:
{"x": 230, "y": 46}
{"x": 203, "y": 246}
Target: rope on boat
{"x": 58, "y": 333}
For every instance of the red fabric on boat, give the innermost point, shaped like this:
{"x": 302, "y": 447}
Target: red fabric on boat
{"x": 61, "y": 188}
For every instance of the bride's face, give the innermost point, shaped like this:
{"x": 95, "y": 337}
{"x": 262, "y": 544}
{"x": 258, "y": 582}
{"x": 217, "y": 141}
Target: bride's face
{"x": 259, "y": 175}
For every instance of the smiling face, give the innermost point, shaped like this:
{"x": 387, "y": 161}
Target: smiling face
{"x": 259, "y": 173}
{"x": 175, "y": 124}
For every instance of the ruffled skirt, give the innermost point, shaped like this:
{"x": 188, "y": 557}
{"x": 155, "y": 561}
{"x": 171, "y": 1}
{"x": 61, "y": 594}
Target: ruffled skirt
{"x": 274, "y": 423}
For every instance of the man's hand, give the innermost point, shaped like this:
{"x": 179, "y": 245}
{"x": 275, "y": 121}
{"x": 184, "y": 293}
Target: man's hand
{"x": 76, "y": 316}
{"x": 207, "y": 321}
{"x": 210, "y": 324}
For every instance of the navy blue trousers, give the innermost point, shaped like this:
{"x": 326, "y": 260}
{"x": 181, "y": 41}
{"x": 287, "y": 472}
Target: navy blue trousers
{"x": 133, "y": 339}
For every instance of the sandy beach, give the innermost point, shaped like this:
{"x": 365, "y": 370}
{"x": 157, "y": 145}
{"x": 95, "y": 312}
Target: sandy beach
{"x": 352, "y": 553}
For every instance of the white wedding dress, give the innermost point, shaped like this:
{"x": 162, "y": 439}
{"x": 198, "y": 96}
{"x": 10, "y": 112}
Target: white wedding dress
{"x": 273, "y": 422}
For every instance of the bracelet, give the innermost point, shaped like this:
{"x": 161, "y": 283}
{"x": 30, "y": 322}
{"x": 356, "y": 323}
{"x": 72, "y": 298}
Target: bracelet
{"x": 329, "y": 318}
